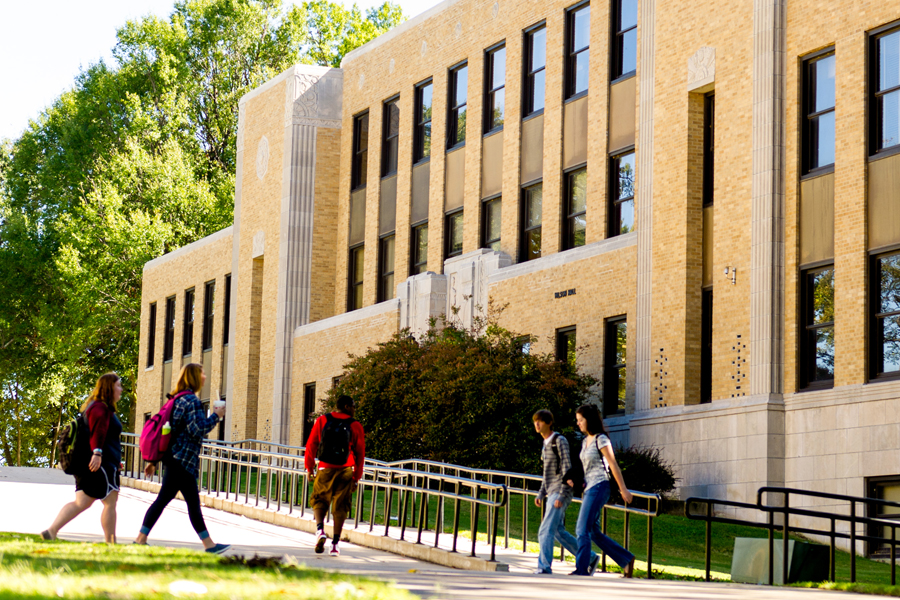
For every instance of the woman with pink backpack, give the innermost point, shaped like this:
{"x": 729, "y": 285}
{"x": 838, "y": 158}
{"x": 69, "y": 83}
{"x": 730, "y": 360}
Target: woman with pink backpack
{"x": 182, "y": 461}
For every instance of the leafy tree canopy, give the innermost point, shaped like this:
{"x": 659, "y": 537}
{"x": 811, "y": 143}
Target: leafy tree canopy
{"x": 137, "y": 159}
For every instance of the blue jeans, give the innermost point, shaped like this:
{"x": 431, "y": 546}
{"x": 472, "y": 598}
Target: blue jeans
{"x": 588, "y": 529}
{"x": 553, "y": 527}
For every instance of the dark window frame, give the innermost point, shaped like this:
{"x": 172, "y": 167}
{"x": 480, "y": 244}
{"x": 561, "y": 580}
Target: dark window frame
{"x": 151, "y": 335}
{"x": 562, "y": 343}
{"x": 417, "y": 264}
{"x": 490, "y": 93}
{"x": 524, "y": 228}
{"x": 352, "y": 283}
{"x": 615, "y": 34}
{"x": 614, "y": 211}
{"x": 569, "y": 216}
{"x": 209, "y": 314}
{"x": 453, "y": 109}
{"x": 880, "y": 512}
{"x": 449, "y": 218}
{"x": 876, "y": 342}
{"x": 808, "y": 114}
{"x": 487, "y": 242}
{"x": 187, "y": 333}
{"x": 309, "y": 409}
{"x": 876, "y": 151}
{"x": 169, "y": 330}
{"x": 806, "y": 359}
{"x": 529, "y": 72}
{"x": 709, "y": 148}
{"x": 572, "y": 54}
{"x": 419, "y": 123}
{"x": 706, "y": 343}
{"x": 360, "y": 160}
{"x": 382, "y": 274}
{"x": 226, "y": 325}
{"x": 390, "y": 142}
{"x": 613, "y": 370}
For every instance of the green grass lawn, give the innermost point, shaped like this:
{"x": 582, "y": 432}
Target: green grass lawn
{"x": 31, "y": 568}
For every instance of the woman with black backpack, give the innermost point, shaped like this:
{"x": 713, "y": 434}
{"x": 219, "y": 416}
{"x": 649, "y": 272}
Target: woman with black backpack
{"x": 189, "y": 427}
{"x": 100, "y": 479}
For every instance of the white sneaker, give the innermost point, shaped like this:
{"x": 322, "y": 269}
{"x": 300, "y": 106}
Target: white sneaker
{"x": 320, "y": 541}
{"x": 335, "y": 551}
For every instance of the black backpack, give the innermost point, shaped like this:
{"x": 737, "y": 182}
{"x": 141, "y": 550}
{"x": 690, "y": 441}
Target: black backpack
{"x": 576, "y": 471}
{"x": 335, "y": 446}
{"x": 74, "y": 445}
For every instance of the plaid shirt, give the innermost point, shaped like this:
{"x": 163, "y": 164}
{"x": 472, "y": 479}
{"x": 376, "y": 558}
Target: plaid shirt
{"x": 557, "y": 462}
{"x": 192, "y": 425}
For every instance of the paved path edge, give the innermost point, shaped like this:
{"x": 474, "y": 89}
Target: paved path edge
{"x": 430, "y": 554}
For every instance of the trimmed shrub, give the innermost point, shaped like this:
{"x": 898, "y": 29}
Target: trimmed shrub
{"x": 644, "y": 469}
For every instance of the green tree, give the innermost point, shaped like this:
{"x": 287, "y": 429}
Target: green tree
{"x": 137, "y": 159}
{"x": 459, "y": 397}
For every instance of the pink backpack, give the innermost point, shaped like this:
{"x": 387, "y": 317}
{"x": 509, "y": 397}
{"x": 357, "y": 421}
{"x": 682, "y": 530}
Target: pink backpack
{"x": 154, "y": 440}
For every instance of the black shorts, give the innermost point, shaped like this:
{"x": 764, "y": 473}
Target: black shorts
{"x": 98, "y": 484}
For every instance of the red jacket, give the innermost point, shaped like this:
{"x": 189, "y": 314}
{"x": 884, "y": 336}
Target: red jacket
{"x": 98, "y": 416}
{"x": 357, "y": 447}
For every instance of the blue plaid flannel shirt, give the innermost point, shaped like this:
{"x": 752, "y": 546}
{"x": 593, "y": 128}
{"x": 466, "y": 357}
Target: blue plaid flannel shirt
{"x": 192, "y": 425}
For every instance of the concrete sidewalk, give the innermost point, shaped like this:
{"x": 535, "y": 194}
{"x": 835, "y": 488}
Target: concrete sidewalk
{"x": 32, "y": 498}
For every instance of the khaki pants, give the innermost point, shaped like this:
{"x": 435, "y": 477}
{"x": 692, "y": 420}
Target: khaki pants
{"x": 333, "y": 486}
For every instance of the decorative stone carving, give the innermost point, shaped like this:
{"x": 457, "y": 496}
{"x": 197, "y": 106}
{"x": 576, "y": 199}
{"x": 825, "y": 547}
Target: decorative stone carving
{"x": 495, "y": 10}
{"x": 424, "y": 49}
{"x": 701, "y": 68}
{"x": 242, "y": 118}
{"x": 361, "y": 81}
{"x": 262, "y": 157}
{"x": 458, "y": 29}
{"x": 391, "y": 67}
{"x": 314, "y": 97}
{"x": 259, "y": 244}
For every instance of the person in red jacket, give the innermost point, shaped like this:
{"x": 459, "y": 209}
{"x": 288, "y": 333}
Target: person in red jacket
{"x": 100, "y": 480}
{"x": 340, "y": 444}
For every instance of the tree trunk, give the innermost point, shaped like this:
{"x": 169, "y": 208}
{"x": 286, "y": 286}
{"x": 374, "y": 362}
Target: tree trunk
{"x": 55, "y": 435}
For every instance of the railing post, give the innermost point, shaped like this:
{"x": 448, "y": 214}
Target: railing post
{"x": 387, "y": 504}
{"x": 525, "y": 502}
{"x": 785, "y": 542}
{"x": 627, "y": 532}
{"x": 506, "y": 516}
{"x": 771, "y": 548}
{"x": 893, "y": 555}
{"x": 439, "y": 517}
{"x": 423, "y": 502}
{"x": 496, "y": 510}
{"x": 476, "y": 494}
{"x": 831, "y": 569}
{"x": 649, "y": 545}
{"x": 404, "y": 505}
{"x": 603, "y": 529}
{"x": 852, "y": 541}
{"x": 455, "y": 518}
{"x": 708, "y": 535}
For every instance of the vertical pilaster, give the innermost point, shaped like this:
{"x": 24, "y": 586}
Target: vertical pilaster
{"x": 767, "y": 228}
{"x": 644, "y": 201}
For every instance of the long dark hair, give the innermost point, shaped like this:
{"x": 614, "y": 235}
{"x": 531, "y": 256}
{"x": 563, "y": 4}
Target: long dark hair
{"x": 591, "y": 415}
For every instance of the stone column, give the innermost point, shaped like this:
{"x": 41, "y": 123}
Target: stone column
{"x": 767, "y": 228}
{"x": 644, "y": 205}
{"x": 235, "y": 261}
{"x": 314, "y": 96}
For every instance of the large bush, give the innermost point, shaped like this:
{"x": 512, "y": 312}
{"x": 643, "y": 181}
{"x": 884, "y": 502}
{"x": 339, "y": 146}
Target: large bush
{"x": 644, "y": 469}
{"x": 460, "y": 397}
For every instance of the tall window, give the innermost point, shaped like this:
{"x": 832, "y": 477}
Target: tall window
{"x": 390, "y": 134}
{"x": 621, "y": 209}
{"x": 386, "y": 269}
{"x": 709, "y": 149}
{"x": 706, "y": 346}
{"x": 578, "y": 40}
{"x": 309, "y": 410}
{"x": 169, "y": 339}
{"x": 566, "y": 344}
{"x": 885, "y": 111}
{"x": 817, "y": 336}
{"x": 187, "y": 339}
{"x": 422, "y": 134}
{"x": 419, "y": 249}
{"x": 456, "y": 103}
{"x": 209, "y": 311}
{"x": 535, "y": 70}
{"x": 360, "y": 151}
{"x": 576, "y": 209}
{"x": 490, "y": 223}
{"x": 454, "y": 234}
{"x": 226, "y": 325}
{"x": 532, "y": 200}
{"x": 818, "y": 122}
{"x": 885, "y": 353}
{"x": 357, "y": 266}
{"x": 151, "y": 335}
{"x": 624, "y": 45}
{"x": 615, "y": 358}
{"x": 494, "y": 93}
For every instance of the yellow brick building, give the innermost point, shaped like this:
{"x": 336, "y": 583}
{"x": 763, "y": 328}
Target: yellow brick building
{"x": 702, "y": 198}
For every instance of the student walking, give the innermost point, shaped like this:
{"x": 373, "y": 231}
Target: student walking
{"x": 594, "y": 450}
{"x": 189, "y": 426}
{"x": 556, "y": 494}
{"x": 100, "y": 481}
{"x": 340, "y": 443}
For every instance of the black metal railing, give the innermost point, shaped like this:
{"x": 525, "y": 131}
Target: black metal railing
{"x": 787, "y": 509}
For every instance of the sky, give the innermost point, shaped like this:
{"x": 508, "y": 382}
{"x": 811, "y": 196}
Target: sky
{"x": 44, "y": 44}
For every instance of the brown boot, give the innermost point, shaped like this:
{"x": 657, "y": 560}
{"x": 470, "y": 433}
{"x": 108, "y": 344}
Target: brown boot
{"x": 628, "y": 571}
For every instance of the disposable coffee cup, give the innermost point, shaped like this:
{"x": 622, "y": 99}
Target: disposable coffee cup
{"x": 219, "y": 403}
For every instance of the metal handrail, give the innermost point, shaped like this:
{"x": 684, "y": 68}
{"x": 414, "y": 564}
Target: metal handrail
{"x": 786, "y": 509}
{"x": 284, "y": 463}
